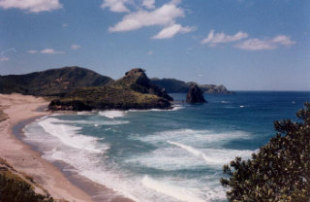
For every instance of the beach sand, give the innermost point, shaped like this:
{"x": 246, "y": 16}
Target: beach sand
{"x": 69, "y": 186}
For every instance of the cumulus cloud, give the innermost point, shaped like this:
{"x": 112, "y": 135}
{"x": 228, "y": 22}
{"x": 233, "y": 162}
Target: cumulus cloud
{"x": 163, "y": 16}
{"x": 265, "y": 44}
{"x": 75, "y": 46}
{"x": 51, "y": 51}
{"x": 117, "y": 6}
{"x": 215, "y": 38}
{"x": 147, "y": 15}
{"x": 33, "y": 6}
{"x": 283, "y": 40}
{"x": 169, "y": 32}
{"x": 150, "y": 4}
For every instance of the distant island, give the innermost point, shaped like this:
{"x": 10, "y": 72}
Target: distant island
{"x": 76, "y": 88}
{"x": 178, "y": 86}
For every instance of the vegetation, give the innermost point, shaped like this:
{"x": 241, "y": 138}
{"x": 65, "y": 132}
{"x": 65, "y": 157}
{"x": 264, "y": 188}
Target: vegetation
{"x": 15, "y": 187}
{"x": 133, "y": 91}
{"x": 280, "y": 171}
{"x": 178, "y": 86}
{"x": 53, "y": 82}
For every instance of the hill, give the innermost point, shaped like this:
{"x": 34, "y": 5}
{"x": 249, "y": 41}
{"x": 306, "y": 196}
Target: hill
{"x": 53, "y": 82}
{"x": 133, "y": 91}
{"x": 178, "y": 86}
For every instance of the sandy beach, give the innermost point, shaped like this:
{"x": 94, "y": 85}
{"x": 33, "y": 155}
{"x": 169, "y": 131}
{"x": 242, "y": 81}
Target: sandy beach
{"x": 19, "y": 108}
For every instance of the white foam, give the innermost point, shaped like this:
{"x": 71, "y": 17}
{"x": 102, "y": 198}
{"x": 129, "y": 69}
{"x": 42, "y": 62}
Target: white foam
{"x": 179, "y": 193}
{"x": 174, "y": 108}
{"x": 225, "y": 102}
{"x": 69, "y": 135}
{"x": 194, "y": 137}
{"x": 112, "y": 114}
{"x": 192, "y": 150}
{"x": 241, "y": 106}
{"x": 187, "y": 157}
{"x": 96, "y": 122}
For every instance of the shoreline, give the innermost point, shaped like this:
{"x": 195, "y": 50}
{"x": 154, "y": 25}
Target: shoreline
{"x": 22, "y": 110}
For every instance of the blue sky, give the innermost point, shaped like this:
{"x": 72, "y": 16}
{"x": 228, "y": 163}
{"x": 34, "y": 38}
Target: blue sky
{"x": 243, "y": 44}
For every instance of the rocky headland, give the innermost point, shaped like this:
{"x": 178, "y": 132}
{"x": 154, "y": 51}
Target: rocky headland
{"x": 133, "y": 91}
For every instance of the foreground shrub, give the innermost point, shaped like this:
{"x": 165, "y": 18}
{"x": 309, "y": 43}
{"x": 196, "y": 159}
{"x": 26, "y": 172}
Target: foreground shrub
{"x": 280, "y": 171}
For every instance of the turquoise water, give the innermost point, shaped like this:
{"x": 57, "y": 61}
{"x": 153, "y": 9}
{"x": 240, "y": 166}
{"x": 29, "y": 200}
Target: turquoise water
{"x": 165, "y": 155}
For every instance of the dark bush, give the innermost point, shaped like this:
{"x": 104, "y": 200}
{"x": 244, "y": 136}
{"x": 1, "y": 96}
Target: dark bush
{"x": 280, "y": 171}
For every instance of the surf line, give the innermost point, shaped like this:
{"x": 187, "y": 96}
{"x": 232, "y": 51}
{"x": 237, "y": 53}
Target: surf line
{"x": 193, "y": 151}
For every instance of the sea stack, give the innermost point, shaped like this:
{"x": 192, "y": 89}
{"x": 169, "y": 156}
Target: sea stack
{"x": 195, "y": 95}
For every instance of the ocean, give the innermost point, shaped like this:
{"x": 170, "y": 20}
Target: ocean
{"x": 164, "y": 155}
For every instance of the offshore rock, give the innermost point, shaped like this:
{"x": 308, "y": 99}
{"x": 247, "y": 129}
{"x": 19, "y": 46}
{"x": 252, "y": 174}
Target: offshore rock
{"x": 195, "y": 95}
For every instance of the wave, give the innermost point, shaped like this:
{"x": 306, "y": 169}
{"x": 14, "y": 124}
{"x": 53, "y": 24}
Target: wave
{"x": 174, "y": 108}
{"x": 217, "y": 156}
{"x": 112, "y": 114}
{"x": 180, "y": 156}
{"x": 189, "y": 149}
{"x": 194, "y": 137}
{"x": 179, "y": 193}
{"x": 69, "y": 135}
{"x": 96, "y": 123}
{"x": 192, "y": 151}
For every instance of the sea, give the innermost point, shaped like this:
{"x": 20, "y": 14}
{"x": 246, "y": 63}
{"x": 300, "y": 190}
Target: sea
{"x": 164, "y": 155}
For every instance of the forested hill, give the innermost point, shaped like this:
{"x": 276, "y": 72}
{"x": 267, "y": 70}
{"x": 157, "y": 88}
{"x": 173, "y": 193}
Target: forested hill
{"x": 52, "y": 82}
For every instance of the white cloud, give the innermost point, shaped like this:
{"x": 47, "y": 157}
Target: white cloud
{"x": 215, "y": 38}
{"x": 256, "y": 44}
{"x": 283, "y": 40}
{"x": 265, "y": 44}
{"x": 4, "y": 59}
{"x": 146, "y": 14}
{"x": 32, "y": 51}
{"x": 33, "y": 6}
{"x": 163, "y": 16}
{"x": 75, "y": 46}
{"x": 117, "y": 6}
{"x": 150, "y": 4}
{"x": 51, "y": 51}
{"x": 169, "y": 32}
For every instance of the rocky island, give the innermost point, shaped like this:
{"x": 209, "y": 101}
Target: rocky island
{"x": 133, "y": 91}
{"x": 195, "y": 95}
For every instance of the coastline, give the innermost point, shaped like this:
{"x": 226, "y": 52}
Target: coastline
{"x": 22, "y": 110}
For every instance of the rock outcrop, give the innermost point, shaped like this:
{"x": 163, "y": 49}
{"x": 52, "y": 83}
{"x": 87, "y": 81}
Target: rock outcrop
{"x": 133, "y": 91}
{"x": 195, "y": 95}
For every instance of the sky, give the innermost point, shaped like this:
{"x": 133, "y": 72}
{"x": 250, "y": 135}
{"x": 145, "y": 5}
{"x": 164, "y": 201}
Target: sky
{"x": 242, "y": 44}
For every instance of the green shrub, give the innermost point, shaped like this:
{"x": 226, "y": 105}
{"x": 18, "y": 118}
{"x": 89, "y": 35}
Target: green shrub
{"x": 14, "y": 189}
{"x": 280, "y": 171}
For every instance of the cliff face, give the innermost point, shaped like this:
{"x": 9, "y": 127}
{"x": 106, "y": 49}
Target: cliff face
{"x": 133, "y": 91}
{"x": 53, "y": 82}
{"x": 195, "y": 95}
{"x": 178, "y": 86}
